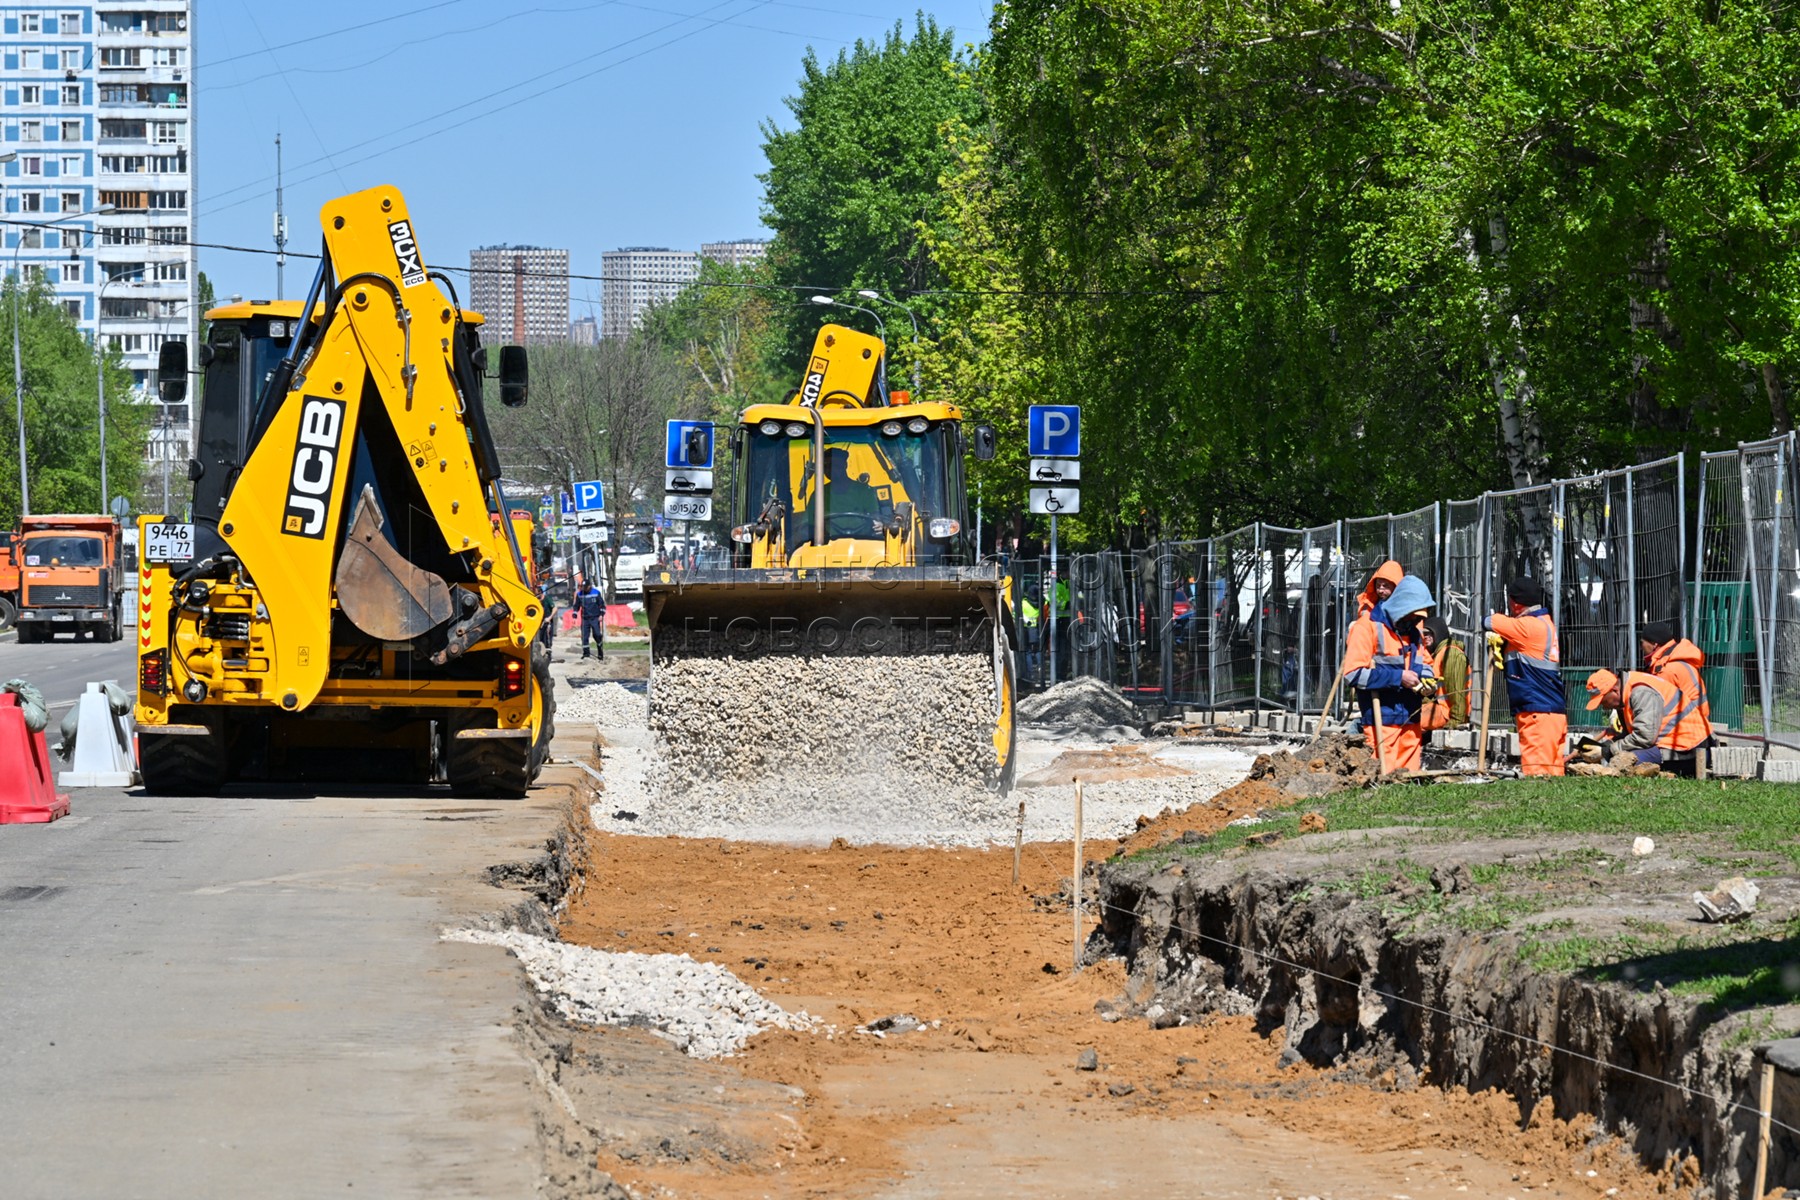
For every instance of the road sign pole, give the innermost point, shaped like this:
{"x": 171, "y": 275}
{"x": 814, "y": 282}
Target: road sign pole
{"x": 1050, "y": 598}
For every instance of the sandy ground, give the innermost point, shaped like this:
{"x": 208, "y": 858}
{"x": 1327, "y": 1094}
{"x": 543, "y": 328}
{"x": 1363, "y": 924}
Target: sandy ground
{"x": 987, "y": 1099}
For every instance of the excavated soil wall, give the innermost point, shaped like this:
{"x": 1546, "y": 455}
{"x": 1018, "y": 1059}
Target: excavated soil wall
{"x": 1655, "y": 1069}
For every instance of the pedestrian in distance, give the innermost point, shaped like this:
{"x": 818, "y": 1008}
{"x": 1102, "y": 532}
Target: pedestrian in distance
{"x": 1525, "y": 637}
{"x": 591, "y": 604}
{"x": 1679, "y": 661}
{"x": 1651, "y": 710}
{"x": 1385, "y": 661}
{"x": 1449, "y": 709}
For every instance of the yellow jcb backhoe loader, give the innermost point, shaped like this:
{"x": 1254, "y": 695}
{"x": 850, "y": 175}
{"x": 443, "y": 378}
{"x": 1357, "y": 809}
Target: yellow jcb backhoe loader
{"x": 349, "y": 601}
{"x": 851, "y": 553}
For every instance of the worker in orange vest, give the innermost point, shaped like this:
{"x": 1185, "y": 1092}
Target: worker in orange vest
{"x": 1381, "y": 585}
{"x": 1386, "y": 662}
{"x": 1651, "y": 708}
{"x": 1526, "y": 637}
{"x": 1679, "y": 662}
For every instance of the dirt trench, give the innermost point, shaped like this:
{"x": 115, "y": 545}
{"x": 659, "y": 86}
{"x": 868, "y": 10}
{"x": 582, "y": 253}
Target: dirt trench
{"x": 1326, "y": 975}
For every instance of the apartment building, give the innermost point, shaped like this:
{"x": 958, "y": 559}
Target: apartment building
{"x": 740, "y": 253}
{"x": 636, "y": 277}
{"x": 522, "y": 291}
{"x": 98, "y": 115}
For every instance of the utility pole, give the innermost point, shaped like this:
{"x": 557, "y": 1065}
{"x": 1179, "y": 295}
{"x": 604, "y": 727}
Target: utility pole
{"x": 281, "y": 226}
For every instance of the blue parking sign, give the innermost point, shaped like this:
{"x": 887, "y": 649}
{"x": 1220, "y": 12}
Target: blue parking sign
{"x": 589, "y": 496}
{"x": 1054, "y": 430}
{"x": 690, "y": 445}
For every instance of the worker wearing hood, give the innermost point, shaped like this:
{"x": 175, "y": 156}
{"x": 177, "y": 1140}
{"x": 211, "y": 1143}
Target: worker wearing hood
{"x": 1381, "y": 585}
{"x": 1678, "y": 661}
{"x": 1386, "y": 663}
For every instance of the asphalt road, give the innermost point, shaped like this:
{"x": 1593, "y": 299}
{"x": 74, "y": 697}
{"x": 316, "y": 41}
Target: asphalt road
{"x": 63, "y": 667}
{"x": 247, "y": 996}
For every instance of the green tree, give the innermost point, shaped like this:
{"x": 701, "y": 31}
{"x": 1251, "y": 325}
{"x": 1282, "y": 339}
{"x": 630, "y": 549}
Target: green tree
{"x": 722, "y": 329}
{"x": 61, "y": 411}
{"x": 851, "y": 186}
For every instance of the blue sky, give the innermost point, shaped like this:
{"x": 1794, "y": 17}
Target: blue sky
{"x": 650, "y": 135}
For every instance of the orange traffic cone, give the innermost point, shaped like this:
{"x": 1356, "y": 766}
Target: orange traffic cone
{"x": 27, "y": 796}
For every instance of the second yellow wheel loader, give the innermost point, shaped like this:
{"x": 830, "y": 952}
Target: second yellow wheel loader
{"x": 854, "y": 627}
{"x": 349, "y": 600}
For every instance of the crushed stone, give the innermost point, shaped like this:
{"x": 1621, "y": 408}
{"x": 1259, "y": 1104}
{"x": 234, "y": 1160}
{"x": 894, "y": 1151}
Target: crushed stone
{"x": 603, "y": 703}
{"x": 701, "y": 1007}
{"x": 1084, "y": 702}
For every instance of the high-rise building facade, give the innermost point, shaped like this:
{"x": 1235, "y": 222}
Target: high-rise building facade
{"x": 740, "y": 253}
{"x": 637, "y": 277}
{"x": 584, "y": 331}
{"x": 522, "y": 291}
{"x": 98, "y": 113}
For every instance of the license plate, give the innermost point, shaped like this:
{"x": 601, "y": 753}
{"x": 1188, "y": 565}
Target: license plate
{"x": 62, "y": 617}
{"x": 169, "y": 543}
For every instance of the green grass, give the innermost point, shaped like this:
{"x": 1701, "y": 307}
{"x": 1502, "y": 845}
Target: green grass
{"x": 1735, "y": 967}
{"x": 1751, "y": 816}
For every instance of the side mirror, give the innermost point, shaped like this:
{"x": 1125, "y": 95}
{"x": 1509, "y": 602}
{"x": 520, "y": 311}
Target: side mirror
{"x": 171, "y": 372}
{"x": 986, "y": 443}
{"x": 205, "y": 355}
{"x": 515, "y": 376}
{"x": 195, "y": 470}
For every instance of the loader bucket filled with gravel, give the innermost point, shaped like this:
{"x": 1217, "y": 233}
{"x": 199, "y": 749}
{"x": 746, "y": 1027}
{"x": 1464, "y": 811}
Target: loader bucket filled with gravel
{"x": 892, "y": 704}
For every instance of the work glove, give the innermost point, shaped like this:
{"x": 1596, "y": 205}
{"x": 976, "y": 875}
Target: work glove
{"x": 1497, "y": 649}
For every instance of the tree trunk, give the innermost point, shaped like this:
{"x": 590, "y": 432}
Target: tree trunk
{"x": 1521, "y": 440}
{"x": 1778, "y": 408}
{"x": 1651, "y": 277}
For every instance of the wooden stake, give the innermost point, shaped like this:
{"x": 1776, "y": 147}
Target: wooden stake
{"x": 1487, "y": 699}
{"x": 1765, "y": 1100}
{"x": 1381, "y": 767}
{"x": 1077, "y": 966}
{"x": 1019, "y": 839}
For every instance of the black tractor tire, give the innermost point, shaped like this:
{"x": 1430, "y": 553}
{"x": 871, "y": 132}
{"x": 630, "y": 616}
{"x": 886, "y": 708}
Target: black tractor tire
{"x": 28, "y": 634}
{"x": 540, "y": 672}
{"x": 9, "y": 613}
{"x": 495, "y": 768}
{"x": 174, "y": 765}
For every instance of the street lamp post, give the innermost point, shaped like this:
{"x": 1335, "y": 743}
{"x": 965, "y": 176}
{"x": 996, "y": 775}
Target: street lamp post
{"x": 872, "y": 294}
{"x": 881, "y": 367}
{"x": 19, "y": 360}
{"x": 100, "y": 385}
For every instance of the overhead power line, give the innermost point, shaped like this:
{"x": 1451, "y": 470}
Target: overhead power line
{"x": 726, "y": 285}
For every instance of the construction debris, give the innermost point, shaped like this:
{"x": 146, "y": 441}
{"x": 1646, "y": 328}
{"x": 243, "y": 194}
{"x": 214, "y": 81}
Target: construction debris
{"x": 1733, "y": 900}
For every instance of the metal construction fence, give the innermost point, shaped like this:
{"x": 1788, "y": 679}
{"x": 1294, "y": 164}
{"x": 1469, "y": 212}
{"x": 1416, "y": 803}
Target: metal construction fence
{"x": 1256, "y": 617}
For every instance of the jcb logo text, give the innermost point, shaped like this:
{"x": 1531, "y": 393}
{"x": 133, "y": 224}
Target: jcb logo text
{"x": 315, "y": 463}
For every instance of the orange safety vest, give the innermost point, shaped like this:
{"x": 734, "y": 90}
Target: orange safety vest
{"x": 1435, "y": 712}
{"x": 1666, "y": 734}
{"x": 1676, "y": 663}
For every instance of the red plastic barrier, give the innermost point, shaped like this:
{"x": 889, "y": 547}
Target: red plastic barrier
{"x": 570, "y": 619}
{"x": 27, "y": 795}
{"x": 620, "y": 616}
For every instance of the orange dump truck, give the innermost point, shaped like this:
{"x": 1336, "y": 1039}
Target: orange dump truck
{"x": 70, "y": 576}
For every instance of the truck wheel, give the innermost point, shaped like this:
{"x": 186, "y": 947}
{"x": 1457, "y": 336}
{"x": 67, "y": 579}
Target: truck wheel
{"x": 9, "y": 613}
{"x": 28, "y": 634}
{"x": 499, "y": 768}
{"x": 540, "y": 748}
{"x": 181, "y": 765}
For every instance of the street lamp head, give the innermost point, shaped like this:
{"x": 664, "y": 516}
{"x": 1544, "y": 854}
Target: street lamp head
{"x": 869, "y": 294}
{"x": 9, "y": 156}
{"x": 823, "y": 300}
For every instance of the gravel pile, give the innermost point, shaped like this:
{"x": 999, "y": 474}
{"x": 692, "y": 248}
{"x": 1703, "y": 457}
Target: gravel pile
{"x": 701, "y": 1007}
{"x": 1083, "y": 702}
{"x": 605, "y": 704}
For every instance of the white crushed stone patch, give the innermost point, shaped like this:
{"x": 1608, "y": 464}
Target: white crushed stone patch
{"x": 700, "y": 1006}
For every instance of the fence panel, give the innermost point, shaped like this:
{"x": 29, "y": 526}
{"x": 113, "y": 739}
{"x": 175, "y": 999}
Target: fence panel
{"x": 1766, "y": 468}
{"x": 1235, "y": 600}
{"x": 1322, "y": 621}
{"x": 1721, "y": 618}
{"x": 1413, "y": 537}
{"x": 1284, "y": 595}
